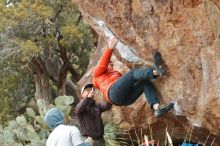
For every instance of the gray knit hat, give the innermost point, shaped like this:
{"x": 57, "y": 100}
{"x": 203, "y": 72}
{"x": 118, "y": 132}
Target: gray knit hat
{"x": 54, "y": 117}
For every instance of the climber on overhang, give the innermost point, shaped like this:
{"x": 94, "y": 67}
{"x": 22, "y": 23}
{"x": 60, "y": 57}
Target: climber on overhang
{"x": 122, "y": 90}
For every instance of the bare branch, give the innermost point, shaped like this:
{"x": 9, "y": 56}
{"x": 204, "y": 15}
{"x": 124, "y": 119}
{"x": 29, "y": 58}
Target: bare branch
{"x": 53, "y": 18}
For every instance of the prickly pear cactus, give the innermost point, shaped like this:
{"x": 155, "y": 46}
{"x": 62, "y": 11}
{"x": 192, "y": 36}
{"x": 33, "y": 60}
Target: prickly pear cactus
{"x": 29, "y": 129}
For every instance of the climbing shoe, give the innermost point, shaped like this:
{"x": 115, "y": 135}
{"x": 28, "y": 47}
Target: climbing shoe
{"x": 159, "y": 64}
{"x": 163, "y": 109}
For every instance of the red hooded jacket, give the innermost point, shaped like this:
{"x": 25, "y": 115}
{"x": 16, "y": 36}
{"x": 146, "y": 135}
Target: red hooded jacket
{"x": 103, "y": 75}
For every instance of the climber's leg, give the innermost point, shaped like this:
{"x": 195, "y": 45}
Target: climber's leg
{"x": 120, "y": 90}
{"x": 130, "y": 86}
{"x": 149, "y": 91}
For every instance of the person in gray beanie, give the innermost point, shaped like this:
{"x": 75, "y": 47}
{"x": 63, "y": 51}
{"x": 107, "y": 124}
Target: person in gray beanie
{"x": 63, "y": 135}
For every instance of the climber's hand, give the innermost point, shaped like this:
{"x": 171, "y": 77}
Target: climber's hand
{"x": 112, "y": 42}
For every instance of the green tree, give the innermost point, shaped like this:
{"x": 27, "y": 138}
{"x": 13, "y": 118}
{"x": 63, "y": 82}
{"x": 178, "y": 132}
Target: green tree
{"x": 51, "y": 43}
{"x": 16, "y": 88}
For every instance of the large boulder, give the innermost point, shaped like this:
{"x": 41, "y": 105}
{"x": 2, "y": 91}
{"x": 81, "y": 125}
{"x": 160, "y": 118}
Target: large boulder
{"x": 187, "y": 33}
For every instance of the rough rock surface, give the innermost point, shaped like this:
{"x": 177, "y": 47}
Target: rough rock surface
{"x": 187, "y": 33}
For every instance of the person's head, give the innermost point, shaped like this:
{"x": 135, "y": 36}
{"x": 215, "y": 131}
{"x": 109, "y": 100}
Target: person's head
{"x": 85, "y": 91}
{"x": 54, "y": 117}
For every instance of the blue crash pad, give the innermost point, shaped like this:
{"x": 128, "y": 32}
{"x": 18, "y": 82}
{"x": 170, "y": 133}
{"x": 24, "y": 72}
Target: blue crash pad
{"x": 189, "y": 144}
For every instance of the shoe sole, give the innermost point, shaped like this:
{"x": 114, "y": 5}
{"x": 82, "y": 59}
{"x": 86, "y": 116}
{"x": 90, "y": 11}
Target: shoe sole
{"x": 159, "y": 64}
{"x": 166, "y": 110}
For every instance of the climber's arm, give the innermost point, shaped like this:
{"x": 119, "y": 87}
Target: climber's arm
{"x": 102, "y": 65}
